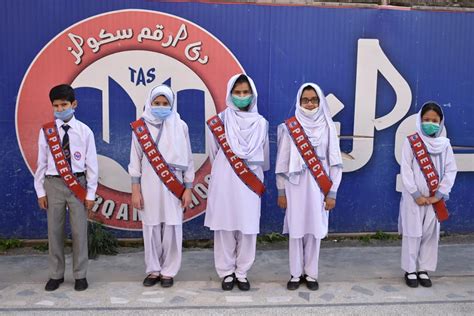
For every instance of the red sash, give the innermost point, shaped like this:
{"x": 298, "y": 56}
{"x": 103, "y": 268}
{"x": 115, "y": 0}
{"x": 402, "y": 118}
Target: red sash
{"x": 62, "y": 166}
{"x": 308, "y": 154}
{"x": 431, "y": 175}
{"x": 156, "y": 159}
{"x": 238, "y": 165}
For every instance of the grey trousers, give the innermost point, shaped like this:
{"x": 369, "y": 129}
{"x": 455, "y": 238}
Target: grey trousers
{"x": 59, "y": 197}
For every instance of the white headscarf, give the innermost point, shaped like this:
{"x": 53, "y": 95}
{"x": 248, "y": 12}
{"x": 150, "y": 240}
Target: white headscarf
{"x": 315, "y": 127}
{"x": 436, "y": 144}
{"x": 172, "y": 143}
{"x": 246, "y": 131}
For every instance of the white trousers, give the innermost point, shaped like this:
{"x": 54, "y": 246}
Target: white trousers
{"x": 304, "y": 256}
{"x": 163, "y": 248}
{"x": 234, "y": 252}
{"x": 421, "y": 251}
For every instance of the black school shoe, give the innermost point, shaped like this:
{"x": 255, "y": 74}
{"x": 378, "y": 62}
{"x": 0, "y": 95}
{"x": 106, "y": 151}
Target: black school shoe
{"x": 424, "y": 282}
{"x": 53, "y": 284}
{"x": 229, "y": 285}
{"x": 150, "y": 281}
{"x": 411, "y": 282}
{"x": 294, "y": 285}
{"x": 167, "y": 282}
{"x": 243, "y": 286}
{"x": 311, "y": 285}
{"x": 81, "y": 285}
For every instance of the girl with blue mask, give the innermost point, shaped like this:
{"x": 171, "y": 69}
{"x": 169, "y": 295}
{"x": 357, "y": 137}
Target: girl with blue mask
{"x": 417, "y": 221}
{"x": 161, "y": 211}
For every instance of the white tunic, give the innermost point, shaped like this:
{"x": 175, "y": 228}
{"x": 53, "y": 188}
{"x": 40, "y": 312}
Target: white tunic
{"x": 231, "y": 205}
{"x": 160, "y": 205}
{"x": 305, "y": 213}
{"x": 412, "y": 216}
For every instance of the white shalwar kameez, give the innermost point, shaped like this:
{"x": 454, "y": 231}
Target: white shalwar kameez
{"x": 233, "y": 210}
{"x": 418, "y": 224}
{"x": 306, "y": 220}
{"x": 162, "y": 214}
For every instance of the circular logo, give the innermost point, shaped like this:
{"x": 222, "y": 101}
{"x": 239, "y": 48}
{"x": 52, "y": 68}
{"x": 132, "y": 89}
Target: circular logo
{"x": 77, "y": 155}
{"x": 113, "y": 60}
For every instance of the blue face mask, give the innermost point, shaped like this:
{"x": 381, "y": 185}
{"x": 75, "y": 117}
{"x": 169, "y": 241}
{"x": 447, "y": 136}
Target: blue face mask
{"x": 161, "y": 112}
{"x": 430, "y": 128}
{"x": 242, "y": 102}
{"x": 65, "y": 115}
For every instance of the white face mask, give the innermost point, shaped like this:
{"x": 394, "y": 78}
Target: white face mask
{"x": 309, "y": 112}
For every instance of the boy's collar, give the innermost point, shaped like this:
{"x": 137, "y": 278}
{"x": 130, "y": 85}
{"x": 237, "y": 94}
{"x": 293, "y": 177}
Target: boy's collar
{"x": 72, "y": 122}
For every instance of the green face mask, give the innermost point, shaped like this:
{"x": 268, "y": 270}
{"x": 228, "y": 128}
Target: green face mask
{"x": 430, "y": 128}
{"x": 242, "y": 102}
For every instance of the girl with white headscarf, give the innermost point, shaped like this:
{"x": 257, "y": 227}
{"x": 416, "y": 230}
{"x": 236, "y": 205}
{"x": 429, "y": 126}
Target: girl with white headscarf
{"x": 306, "y": 217}
{"x": 417, "y": 221}
{"x": 233, "y": 210}
{"x": 161, "y": 211}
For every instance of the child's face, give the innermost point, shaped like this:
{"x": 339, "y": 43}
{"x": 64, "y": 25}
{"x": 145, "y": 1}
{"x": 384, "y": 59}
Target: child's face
{"x": 431, "y": 116}
{"x": 242, "y": 89}
{"x": 62, "y": 105}
{"x": 160, "y": 101}
{"x": 309, "y": 99}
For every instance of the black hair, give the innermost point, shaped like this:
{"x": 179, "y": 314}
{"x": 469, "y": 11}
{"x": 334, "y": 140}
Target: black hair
{"x": 432, "y": 106}
{"x": 62, "y": 92}
{"x": 308, "y": 88}
{"x": 242, "y": 79}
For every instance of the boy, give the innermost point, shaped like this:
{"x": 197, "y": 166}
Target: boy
{"x": 66, "y": 178}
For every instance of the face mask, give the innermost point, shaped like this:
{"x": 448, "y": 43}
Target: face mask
{"x": 430, "y": 128}
{"x": 65, "y": 115}
{"x": 161, "y": 112}
{"x": 309, "y": 112}
{"x": 242, "y": 102}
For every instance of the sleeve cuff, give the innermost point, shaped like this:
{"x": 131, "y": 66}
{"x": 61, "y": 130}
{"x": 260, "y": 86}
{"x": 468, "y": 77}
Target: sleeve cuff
{"x": 440, "y": 195}
{"x": 90, "y": 196}
{"x": 332, "y": 195}
{"x": 281, "y": 192}
{"x": 136, "y": 180}
{"x": 416, "y": 194}
{"x": 188, "y": 185}
{"x": 41, "y": 194}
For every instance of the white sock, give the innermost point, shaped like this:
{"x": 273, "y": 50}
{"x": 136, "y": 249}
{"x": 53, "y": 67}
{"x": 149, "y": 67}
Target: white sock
{"x": 295, "y": 279}
{"x": 424, "y": 276}
{"x": 228, "y": 279}
{"x": 244, "y": 280}
{"x": 412, "y": 276}
{"x": 310, "y": 279}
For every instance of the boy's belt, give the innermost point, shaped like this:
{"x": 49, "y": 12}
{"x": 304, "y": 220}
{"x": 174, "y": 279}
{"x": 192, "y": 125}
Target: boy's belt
{"x": 77, "y": 174}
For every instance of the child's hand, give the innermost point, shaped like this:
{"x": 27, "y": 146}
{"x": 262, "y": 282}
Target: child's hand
{"x": 43, "y": 203}
{"x": 433, "y": 200}
{"x": 89, "y": 204}
{"x": 137, "y": 198}
{"x": 422, "y": 201}
{"x": 186, "y": 198}
{"x": 282, "y": 202}
{"x": 330, "y": 203}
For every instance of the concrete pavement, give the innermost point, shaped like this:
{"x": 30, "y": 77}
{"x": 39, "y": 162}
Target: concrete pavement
{"x": 354, "y": 280}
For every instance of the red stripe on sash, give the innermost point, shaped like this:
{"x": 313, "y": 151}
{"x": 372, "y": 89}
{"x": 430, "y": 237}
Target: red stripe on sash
{"x": 308, "y": 154}
{"x": 155, "y": 158}
{"x": 238, "y": 165}
{"x": 431, "y": 175}
{"x": 62, "y": 166}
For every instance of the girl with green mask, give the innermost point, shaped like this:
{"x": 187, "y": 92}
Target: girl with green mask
{"x": 418, "y": 223}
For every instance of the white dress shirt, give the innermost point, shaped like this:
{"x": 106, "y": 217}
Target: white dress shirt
{"x": 83, "y": 156}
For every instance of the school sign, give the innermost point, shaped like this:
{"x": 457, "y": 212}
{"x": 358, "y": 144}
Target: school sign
{"x": 376, "y": 67}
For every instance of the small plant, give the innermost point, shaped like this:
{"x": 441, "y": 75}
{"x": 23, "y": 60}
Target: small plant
{"x": 271, "y": 237}
{"x": 380, "y": 235}
{"x": 6, "y": 244}
{"x": 101, "y": 241}
{"x": 365, "y": 238}
{"x": 43, "y": 247}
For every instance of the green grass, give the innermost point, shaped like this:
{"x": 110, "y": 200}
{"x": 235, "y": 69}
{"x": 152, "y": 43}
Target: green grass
{"x": 6, "y": 244}
{"x": 271, "y": 237}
